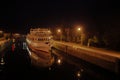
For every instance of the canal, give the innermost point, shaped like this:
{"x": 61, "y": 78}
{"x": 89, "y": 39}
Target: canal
{"x": 65, "y": 67}
{"x": 77, "y": 69}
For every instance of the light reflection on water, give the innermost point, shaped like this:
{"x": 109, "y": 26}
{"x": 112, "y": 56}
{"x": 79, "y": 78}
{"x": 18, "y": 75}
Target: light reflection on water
{"x": 84, "y": 70}
{"x": 70, "y": 68}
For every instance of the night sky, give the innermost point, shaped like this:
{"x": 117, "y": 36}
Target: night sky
{"x": 21, "y": 15}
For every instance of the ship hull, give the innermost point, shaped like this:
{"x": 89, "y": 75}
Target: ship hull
{"x": 40, "y": 57}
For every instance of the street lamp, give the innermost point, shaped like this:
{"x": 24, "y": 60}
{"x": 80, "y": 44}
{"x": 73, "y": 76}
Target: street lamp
{"x": 59, "y": 31}
{"x": 49, "y": 31}
{"x": 81, "y": 38}
{"x": 79, "y": 29}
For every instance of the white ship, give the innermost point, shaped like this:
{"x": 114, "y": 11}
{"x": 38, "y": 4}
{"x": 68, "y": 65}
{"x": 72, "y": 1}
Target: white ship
{"x": 39, "y": 44}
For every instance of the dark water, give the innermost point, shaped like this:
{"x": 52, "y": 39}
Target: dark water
{"x": 65, "y": 67}
{"x": 83, "y": 70}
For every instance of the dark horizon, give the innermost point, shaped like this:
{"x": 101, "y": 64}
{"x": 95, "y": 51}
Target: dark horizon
{"x": 19, "y": 16}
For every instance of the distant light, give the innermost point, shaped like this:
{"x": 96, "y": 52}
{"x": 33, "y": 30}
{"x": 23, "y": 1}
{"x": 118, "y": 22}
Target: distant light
{"x": 1, "y": 31}
{"x": 17, "y": 34}
{"x": 13, "y": 40}
{"x": 49, "y": 31}
{"x": 79, "y": 29}
{"x": 59, "y": 30}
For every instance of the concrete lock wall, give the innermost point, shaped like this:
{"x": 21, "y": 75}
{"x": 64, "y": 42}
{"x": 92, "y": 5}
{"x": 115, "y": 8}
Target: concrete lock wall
{"x": 105, "y": 61}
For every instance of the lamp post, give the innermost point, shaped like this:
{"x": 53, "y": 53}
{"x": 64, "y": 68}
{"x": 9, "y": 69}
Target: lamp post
{"x": 79, "y": 29}
{"x": 81, "y": 37}
{"x": 59, "y": 31}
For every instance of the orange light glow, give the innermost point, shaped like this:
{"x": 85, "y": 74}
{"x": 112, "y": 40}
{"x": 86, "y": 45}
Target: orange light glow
{"x": 59, "y": 30}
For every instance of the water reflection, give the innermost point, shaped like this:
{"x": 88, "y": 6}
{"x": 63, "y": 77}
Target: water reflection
{"x": 78, "y": 74}
{"x": 49, "y": 68}
{"x": 59, "y": 61}
{"x": 2, "y": 61}
{"x": 85, "y": 70}
{"x": 66, "y": 67}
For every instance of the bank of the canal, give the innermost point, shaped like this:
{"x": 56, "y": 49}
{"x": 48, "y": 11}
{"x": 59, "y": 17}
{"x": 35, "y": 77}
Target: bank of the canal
{"x": 106, "y": 59}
